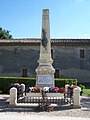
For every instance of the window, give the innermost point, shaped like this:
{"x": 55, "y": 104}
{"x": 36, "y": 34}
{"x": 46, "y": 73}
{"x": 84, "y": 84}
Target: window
{"x": 24, "y": 72}
{"x": 82, "y": 54}
{"x": 56, "y": 75}
{"x": 52, "y": 53}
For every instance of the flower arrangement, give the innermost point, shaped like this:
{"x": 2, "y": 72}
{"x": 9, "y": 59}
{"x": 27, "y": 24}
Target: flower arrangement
{"x": 71, "y": 88}
{"x": 37, "y": 89}
{"x": 54, "y": 89}
{"x": 46, "y": 89}
{"x": 62, "y": 90}
{"x": 74, "y": 86}
{"x": 34, "y": 89}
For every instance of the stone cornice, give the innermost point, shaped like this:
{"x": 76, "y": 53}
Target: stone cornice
{"x": 36, "y": 42}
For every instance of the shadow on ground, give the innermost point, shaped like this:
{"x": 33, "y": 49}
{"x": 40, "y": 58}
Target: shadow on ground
{"x": 5, "y": 107}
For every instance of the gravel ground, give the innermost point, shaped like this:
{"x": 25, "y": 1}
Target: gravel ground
{"x": 21, "y": 113}
{"x": 27, "y": 116}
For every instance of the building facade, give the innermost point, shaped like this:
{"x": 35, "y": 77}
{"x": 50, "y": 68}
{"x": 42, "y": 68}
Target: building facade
{"x": 71, "y": 58}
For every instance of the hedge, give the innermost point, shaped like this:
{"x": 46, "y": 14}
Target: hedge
{"x": 29, "y": 82}
{"x": 6, "y": 81}
{"x": 61, "y": 82}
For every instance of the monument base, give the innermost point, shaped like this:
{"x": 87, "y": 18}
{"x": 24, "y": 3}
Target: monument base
{"x": 45, "y": 76}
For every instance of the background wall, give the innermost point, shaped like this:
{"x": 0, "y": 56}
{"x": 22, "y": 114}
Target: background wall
{"x": 13, "y": 59}
{"x": 67, "y": 60}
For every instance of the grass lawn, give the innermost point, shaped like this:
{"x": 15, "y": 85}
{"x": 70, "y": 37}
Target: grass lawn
{"x": 86, "y": 92}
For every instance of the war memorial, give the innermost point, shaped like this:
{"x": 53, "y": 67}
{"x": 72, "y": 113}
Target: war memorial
{"x": 45, "y": 71}
{"x": 45, "y": 95}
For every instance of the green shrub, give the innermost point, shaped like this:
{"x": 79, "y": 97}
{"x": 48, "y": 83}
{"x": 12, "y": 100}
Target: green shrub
{"x": 82, "y": 86}
{"x": 86, "y": 92}
{"x": 62, "y": 82}
{"x": 6, "y": 81}
{"x": 29, "y": 82}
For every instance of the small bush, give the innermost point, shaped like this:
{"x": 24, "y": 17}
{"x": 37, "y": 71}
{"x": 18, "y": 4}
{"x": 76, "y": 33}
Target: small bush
{"x": 82, "y": 87}
{"x": 62, "y": 82}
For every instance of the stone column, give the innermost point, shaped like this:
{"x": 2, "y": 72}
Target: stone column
{"x": 45, "y": 71}
{"x": 13, "y": 96}
{"x": 76, "y": 97}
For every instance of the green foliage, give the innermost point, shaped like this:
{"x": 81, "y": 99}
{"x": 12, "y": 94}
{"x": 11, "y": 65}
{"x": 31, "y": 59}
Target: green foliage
{"x": 29, "y": 82}
{"x": 62, "y": 82}
{"x": 4, "y": 34}
{"x": 6, "y": 81}
{"x": 86, "y": 92}
{"x": 82, "y": 86}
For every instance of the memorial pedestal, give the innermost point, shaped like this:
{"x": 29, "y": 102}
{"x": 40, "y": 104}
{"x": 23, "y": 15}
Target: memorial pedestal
{"x": 45, "y": 76}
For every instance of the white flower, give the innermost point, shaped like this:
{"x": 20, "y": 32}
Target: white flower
{"x": 46, "y": 89}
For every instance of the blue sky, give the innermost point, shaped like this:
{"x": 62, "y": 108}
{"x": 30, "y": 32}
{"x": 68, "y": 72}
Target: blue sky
{"x": 68, "y": 18}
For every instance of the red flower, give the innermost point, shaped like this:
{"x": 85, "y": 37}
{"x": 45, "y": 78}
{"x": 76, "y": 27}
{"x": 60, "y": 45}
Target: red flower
{"x": 73, "y": 86}
{"x": 62, "y": 90}
{"x": 56, "y": 89}
{"x": 37, "y": 89}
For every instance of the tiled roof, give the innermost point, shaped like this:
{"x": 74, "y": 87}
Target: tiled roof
{"x": 71, "y": 40}
{"x": 53, "y": 41}
{"x": 32, "y": 40}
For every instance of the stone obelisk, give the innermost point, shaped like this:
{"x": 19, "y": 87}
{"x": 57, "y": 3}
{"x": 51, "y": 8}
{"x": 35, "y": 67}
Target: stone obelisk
{"x": 45, "y": 71}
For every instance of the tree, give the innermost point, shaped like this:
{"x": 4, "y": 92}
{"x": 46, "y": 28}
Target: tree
{"x": 4, "y": 34}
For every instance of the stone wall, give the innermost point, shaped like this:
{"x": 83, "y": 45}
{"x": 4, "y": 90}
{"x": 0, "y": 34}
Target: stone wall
{"x": 67, "y": 60}
{"x": 13, "y": 59}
